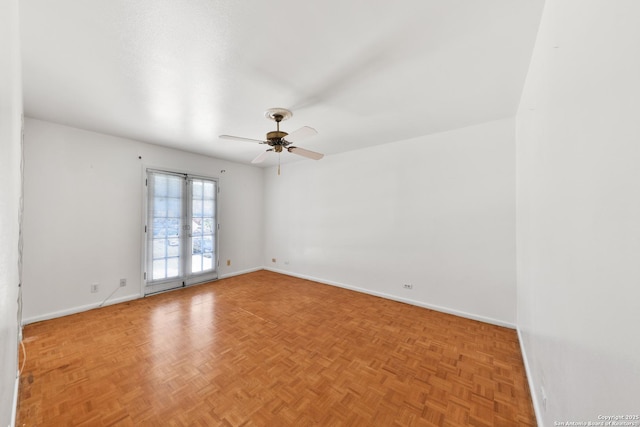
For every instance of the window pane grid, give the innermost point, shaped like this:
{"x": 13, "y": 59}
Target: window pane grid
{"x": 166, "y": 224}
{"x": 202, "y": 212}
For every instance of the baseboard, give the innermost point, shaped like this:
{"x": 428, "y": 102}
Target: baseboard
{"x": 14, "y": 409}
{"x": 238, "y": 273}
{"x": 78, "y": 309}
{"x": 532, "y": 389}
{"x": 399, "y": 299}
{"x": 492, "y": 321}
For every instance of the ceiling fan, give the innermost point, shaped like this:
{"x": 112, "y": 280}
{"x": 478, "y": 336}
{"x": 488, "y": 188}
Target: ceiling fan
{"x": 276, "y": 139}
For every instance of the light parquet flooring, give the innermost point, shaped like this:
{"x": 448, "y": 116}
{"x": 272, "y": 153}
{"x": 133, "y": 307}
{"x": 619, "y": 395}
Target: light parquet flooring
{"x": 263, "y": 349}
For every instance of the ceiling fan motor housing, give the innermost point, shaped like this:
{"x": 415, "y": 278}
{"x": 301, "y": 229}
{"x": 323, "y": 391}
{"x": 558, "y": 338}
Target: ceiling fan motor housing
{"x": 276, "y": 135}
{"x": 277, "y": 141}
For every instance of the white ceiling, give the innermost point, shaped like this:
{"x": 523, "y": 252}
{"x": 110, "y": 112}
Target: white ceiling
{"x": 179, "y": 73}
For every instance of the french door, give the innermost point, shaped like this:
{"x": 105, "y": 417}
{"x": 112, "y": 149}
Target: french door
{"x": 181, "y": 230}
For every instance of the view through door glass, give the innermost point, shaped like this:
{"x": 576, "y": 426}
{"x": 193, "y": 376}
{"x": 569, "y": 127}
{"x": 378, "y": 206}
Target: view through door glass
{"x": 181, "y": 230}
{"x": 203, "y": 220}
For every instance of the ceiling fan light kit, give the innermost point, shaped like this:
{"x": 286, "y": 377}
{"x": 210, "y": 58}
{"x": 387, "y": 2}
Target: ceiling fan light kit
{"x": 276, "y": 139}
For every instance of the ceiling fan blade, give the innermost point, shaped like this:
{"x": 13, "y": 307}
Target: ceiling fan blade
{"x": 305, "y": 153}
{"x": 239, "y": 138}
{"x": 261, "y": 157}
{"x": 303, "y": 132}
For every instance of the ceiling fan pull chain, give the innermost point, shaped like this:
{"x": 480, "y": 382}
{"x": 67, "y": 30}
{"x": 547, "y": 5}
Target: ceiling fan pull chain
{"x": 278, "y": 164}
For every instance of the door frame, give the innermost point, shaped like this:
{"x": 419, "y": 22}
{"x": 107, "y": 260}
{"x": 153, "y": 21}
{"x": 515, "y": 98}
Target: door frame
{"x": 187, "y": 281}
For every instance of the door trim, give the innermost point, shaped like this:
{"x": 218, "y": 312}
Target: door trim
{"x": 186, "y": 280}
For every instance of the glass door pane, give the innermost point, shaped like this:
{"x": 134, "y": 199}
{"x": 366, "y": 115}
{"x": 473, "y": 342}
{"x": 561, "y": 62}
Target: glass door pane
{"x": 202, "y": 213}
{"x": 165, "y": 230}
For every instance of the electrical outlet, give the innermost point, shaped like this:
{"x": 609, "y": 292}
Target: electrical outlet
{"x": 94, "y": 288}
{"x": 407, "y": 286}
{"x": 228, "y": 262}
{"x": 123, "y": 283}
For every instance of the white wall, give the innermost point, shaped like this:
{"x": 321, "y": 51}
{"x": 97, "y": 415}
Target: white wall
{"x": 83, "y": 215}
{"x": 10, "y": 189}
{"x": 437, "y": 212}
{"x": 578, "y": 210}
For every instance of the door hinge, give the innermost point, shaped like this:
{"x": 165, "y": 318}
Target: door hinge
{"x": 146, "y": 182}
{"x": 218, "y": 226}
{"x": 145, "y": 275}
{"x": 145, "y": 228}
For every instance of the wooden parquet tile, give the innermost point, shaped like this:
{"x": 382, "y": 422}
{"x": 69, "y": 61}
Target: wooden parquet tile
{"x": 263, "y": 349}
